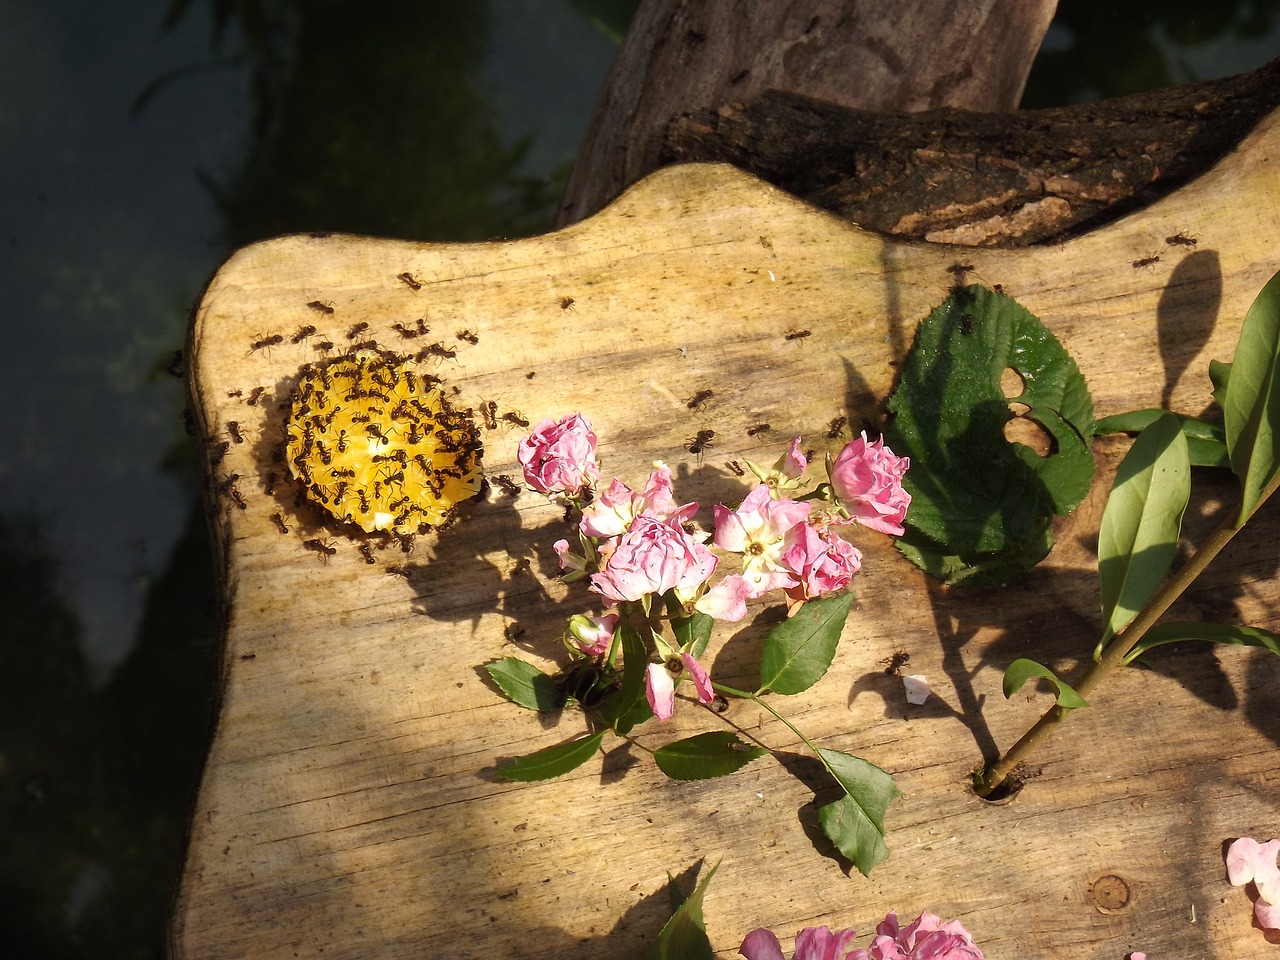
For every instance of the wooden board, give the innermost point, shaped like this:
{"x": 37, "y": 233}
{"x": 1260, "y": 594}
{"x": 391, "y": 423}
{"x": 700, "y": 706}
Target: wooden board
{"x": 348, "y": 805}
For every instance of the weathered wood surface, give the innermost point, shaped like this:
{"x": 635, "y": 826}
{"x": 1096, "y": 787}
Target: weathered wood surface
{"x": 688, "y": 55}
{"x": 348, "y": 806}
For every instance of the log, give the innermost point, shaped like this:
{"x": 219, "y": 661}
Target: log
{"x": 981, "y": 179}
{"x": 349, "y": 806}
{"x": 681, "y": 56}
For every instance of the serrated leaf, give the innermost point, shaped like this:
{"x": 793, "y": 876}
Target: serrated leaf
{"x": 1141, "y": 522}
{"x": 1251, "y": 408}
{"x": 988, "y": 501}
{"x": 1206, "y": 442}
{"x": 706, "y": 756}
{"x": 554, "y": 761}
{"x": 855, "y": 823}
{"x": 525, "y": 685}
{"x": 1022, "y": 670}
{"x": 1229, "y": 633}
{"x": 799, "y": 651}
{"x": 684, "y": 936}
{"x": 620, "y": 710}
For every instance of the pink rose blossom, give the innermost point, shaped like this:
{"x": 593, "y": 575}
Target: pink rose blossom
{"x": 925, "y": 938}
{"x": 618, "y": 505}
{"x": 592, "y": 634}
{"x": 867, "y": 481}
{"x": 652, "y": 557}
{"x": 787, "y": 471}
{"x": 1248, "y": 860}
{"x": 761, "y": 530}
{"x": 820, "y": 562}
{"x": 727, "y": 600}
{"x": 574, "y": 564}
{"x": 660, "y": 685}
{"x": 812, "y": 943}
{"x": 560, "y": 455}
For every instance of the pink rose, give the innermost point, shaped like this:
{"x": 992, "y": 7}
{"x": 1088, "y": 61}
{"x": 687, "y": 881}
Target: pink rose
{"x": 560, "y": 455}
{"x": 652, "y": 557}
{"x": 762, "y": 529}
{"x": 617, "y": 505}
{"x": 925, "y": 938}
{"x": 660, "y": 684}
{"x": 820, "y": 562}
{"x": 812, "y": 943}
{"x": 867, "y": 480}
{"x": 592, "y": 635}
{"x": 1248, "y": 860}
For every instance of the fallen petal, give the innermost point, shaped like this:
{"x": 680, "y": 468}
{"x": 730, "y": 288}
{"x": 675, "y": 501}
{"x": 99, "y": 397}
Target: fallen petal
{"x": 917, "y": 688}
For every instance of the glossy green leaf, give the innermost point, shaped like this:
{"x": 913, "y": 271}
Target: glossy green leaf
{"x": 619, "y": 711}
{"x": 684, "y": 937}
{"x": 1228, "y": 633}
{"x": 1251, "y": 407}
{"x": 693, "y": 633}
{"x": 982, "y": 507}
{"x": 553, "y": 761}
{"x": 1219, "y": 375}
{"x": 525, "y": 685}
{"x": 855, "y": 823}
{"x": 1206, "y": 442}
{"x": 799, "y": 651}
{"x": 706, "y": 756}
{"x": 1022, "y": 670}
{"x": 1141, "y": 522}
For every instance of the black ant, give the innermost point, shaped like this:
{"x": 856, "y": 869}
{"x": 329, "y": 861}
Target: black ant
{"x": 324, "y": 346}
{"x": 409, "y": 280}
{"x": 232, "y": 394}
{"x": 264, "y": 343}
{"x": 489, "y": 410}
{"x": 736, "y": 467}
{"x": 357, "y": 329}
{"x": 254, "y": 395}
{"x": 758, "y": 429}
{"x": 278, "y": 520}
{"x": 302, "y": 333}
{"x": 320, "y": 307}
{"x": 896, "y": 662}
{"x": 233, "y": 431}
{"x": 699, "y": 398}
{"x": 436, "y": 350}
{"x": 1146, "y": 261}
{"x": 509, "y": 486}
{"x": 325, "y": 548}
{"x": 468, "y": 336}
{"x": 516, "y": 417}
{"x": 1181, "y": 240}
{"x": 798, "y": 334}
{"x": 513, "y": 632}
{"x": 407, "y": 333}
{"x": 566, "y": 303}
{"x": 836, "y": 426}
{"x": 701, "y": 441}
{"x": 366, "y": 551}
{"x": 238, "y": 498}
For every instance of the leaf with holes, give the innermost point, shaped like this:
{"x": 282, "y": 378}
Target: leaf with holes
{"x": 1022, "y": 670}
{"x": 982, "y": 505}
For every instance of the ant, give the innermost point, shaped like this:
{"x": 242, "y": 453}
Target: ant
{"x": 325, "y": 548}
{"x": 233, "y": 431}
{"x": 320, "y": 307}
{"x": 302, "y": 333}
{"x": 1146, "y": 261}
{"x": 357, "y": 329}
{"x": 566, "y": 303}
{"x": 736, "y": 467}
{"x": 698, "y": 399}
{"x": 958, "y": 270}
{"x": 509, "y": 486}
{"x": 468, "y": 336}
{"x": 516, "y": 417}
{"x": 278, "y": 520}
{"x": 513, "y": 632}
{"x": 324, "y": 346}
{"x": 1181, "y": 240}
{"x": 407, "y": 333}
{"x": 409, "y": 280}
{"x": 254, "y": 395}
{"x": 758, "y": 429}
{"x": 489, "y": 410}
{"x": 436, "y": 350}
{"x": 238, "y": 498}
{"x": 366, "y": 551}
{"x": 836, "y": 426}
{"x": 798, "y": 334}
{"x": 966, "y": 324}
{"x": 896, "y": 662}
{"x": 265, "y": 343}
{"x": 701, "y": 441}
{"x": 232, "y": 394}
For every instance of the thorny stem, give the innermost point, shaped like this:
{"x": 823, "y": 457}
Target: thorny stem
{"x": 755, "y": 698}
{"x": 989, "y": 779}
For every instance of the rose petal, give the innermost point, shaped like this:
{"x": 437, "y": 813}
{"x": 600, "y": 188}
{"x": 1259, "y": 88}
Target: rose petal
{"x": 660, "y": 691}
{"x": 917, "y": 688}
{"x": 701, "y": 682}
{"x": 761, "y": 944}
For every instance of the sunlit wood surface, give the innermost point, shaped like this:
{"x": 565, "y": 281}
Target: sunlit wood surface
{"x": 348, "y": 806}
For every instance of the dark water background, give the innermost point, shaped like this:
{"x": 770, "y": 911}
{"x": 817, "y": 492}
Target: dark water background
{"x": 140, "y": 143}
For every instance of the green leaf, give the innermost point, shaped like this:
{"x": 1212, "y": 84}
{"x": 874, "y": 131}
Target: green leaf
{"x": 684, "y": 937}
{"x": 855, "y": 823}
{"x": 553, "y": 761}
{"x": 706, "y": 756}
{"x": 1206, "y": 442}
{"x": 1141, "y": 522}
{"x": 1219, "y": 375}
{"x": 982, "y": 506}
{"x": 620, "y": 710}
{"x": 798, "y": 651}
{"x": 1022, "y": 670}
{"x": 1230, "y": 633}
{"x": 1252, "y": 404}
{"x": 525, "y": 685}
{"x": 692, "y": 630}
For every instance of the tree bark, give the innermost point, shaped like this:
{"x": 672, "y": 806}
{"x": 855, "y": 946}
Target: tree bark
{"x": 982, "y": 179}
{"x": 683, "y": 56}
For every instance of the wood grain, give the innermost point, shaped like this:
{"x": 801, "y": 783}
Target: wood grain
{"x": 348, "y": 806}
